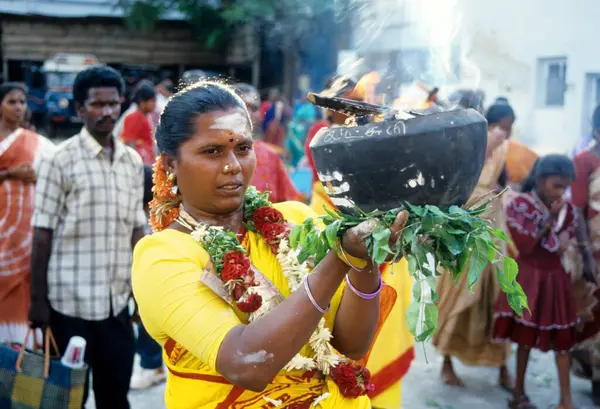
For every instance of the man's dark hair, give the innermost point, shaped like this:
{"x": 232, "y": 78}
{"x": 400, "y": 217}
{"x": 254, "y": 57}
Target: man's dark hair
{"x": 96, "y": 77}
{"x": 144, "y": 93}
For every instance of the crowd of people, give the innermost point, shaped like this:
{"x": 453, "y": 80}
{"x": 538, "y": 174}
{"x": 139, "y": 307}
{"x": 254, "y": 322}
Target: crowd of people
{"x": 123, "y": 210}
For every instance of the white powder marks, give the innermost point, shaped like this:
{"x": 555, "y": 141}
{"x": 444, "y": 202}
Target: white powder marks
{"x": 274, "y": 402}
{"x": 336, "y": 190}
{"x": 341, "y": 201}
{"x": 235, "y": 122}
{"x": 432, "y": 182}
{"x": 365, "y": 228}
{"x": 418, "y": 181}
{"x": 328, "y": 177}
{"x": 259, "y": 357}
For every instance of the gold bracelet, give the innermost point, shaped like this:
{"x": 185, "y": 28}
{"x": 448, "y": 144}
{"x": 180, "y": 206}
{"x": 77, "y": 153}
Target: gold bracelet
{"x": 355, "y": 263}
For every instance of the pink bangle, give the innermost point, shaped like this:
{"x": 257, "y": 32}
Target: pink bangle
{"x": 312, "y": 299}
{"x": 362, "y": 295}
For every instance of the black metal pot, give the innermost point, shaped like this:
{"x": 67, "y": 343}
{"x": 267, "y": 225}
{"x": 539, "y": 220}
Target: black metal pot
{"x": 433, "y": 159}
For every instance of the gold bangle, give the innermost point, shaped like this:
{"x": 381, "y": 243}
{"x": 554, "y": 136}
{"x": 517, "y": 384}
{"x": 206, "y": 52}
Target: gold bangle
{"x": 355, "y": 263}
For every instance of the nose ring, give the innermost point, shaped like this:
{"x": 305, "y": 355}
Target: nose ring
{"x": 226, "y": 168}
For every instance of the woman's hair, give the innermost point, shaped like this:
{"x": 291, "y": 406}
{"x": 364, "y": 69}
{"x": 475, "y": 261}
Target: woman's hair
{"x": 549, "y": 165}
{"x": 11, "y": 86}
{"x": 147, "y": 184}
{"x": 177, "y": 119}
{"x": 144, "y": 93}
{"x": 96, "y": 77}
{"x": 244, "y": 89}
{"x": 498, "y": 112}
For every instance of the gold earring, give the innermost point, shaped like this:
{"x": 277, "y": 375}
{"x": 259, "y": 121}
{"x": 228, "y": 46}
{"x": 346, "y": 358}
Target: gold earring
{"x": 171, "y": 177}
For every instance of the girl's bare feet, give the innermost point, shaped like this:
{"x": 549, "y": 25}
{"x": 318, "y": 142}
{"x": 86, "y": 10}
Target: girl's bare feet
{"x": 448, "y": 375}
{"x": 505, "y": 380}
{"x": 521, "y": 402}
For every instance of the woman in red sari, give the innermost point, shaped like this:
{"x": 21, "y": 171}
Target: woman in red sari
{"x": 541, "y": 224}
{"x": 20, "y": 151}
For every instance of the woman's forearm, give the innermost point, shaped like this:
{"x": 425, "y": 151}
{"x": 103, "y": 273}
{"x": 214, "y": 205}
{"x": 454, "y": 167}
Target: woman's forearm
{"x": 356, "y": 320}
{"x": 251, "y": 355}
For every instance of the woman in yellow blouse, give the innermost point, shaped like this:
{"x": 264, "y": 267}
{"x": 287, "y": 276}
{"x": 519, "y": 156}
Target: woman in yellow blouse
{"x": 294, "y": 344}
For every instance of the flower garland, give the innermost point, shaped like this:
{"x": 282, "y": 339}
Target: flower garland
{"x": 232, "y": 265}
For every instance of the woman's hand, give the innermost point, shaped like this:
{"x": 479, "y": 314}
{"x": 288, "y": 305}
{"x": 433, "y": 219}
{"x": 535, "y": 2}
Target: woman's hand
{"x": 23, "y": 173}
{"x": 354, "y": 240}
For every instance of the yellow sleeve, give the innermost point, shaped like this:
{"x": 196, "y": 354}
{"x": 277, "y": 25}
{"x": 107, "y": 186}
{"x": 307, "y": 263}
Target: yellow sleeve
{"x": 172, "y": 301}
{"x": 296, "y": 212}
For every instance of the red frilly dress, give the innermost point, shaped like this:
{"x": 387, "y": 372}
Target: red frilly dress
{"x": 551, "y": 324}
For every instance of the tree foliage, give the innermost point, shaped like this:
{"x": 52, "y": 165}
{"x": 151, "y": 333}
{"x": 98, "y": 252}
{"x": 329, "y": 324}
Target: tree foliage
{"x": 284, "y": 23}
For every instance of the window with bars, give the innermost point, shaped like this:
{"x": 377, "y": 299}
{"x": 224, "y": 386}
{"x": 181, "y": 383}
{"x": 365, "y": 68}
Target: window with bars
{"x": 552, "y": 81}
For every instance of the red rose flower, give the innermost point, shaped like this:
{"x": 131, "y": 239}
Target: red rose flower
{"x": 233, "y": 272}
{"x": 236, "y": 257}
{"x": 266, "y": 215}
{"x": 237, "y": 292}
{"x": 353, "y": 381}
{"x": 272, "y": 231}
{"x": 252, "y": 303}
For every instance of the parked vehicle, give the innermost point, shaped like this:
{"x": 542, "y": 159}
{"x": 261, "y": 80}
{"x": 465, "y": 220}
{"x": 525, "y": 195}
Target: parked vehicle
{"x": 60, "y": 72}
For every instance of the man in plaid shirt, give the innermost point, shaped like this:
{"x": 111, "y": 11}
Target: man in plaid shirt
{"x": 88, "y": 216}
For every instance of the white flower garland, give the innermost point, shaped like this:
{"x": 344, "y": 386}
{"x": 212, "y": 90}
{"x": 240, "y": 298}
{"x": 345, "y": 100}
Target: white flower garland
{"x": 325, "y": 356}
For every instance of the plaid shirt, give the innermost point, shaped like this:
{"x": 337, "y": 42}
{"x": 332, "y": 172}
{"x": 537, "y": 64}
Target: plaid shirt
{"x": 93, "y": 206}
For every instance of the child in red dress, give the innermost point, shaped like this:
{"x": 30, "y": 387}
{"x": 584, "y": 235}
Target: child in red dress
{"x": 541, "y": 224}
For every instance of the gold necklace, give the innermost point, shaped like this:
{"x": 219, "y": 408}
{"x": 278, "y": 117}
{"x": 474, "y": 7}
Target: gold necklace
{"x": 186, "y": 220}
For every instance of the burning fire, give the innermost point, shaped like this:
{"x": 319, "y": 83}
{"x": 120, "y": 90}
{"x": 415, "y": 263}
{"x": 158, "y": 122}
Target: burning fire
{"x": 417, "y": 97}
{"x": 366, "y": 88}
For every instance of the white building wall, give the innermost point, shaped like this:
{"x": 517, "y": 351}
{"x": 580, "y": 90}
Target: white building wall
{"x": 500, "y": 42}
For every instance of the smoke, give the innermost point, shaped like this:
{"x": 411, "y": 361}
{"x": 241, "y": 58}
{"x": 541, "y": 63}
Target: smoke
{"x": 407, "y": 41}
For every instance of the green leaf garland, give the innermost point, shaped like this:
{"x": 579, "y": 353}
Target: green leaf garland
{"x": 459, "y": 240}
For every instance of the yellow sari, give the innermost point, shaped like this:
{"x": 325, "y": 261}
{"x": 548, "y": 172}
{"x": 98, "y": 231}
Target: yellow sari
{"x": 191, "y": 321}
{"x": 392, "y": 352}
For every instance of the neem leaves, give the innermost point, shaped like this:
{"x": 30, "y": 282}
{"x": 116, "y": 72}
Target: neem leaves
{"x": 460, "y": 240}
